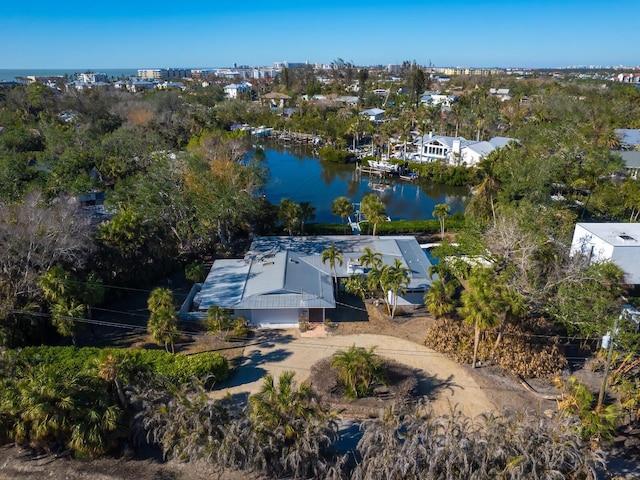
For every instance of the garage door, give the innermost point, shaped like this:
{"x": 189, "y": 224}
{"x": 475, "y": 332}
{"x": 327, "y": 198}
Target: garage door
{"x": 275, "y": 318}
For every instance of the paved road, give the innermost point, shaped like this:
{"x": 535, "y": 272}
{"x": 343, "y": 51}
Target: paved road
{"x": 444, "y": 381}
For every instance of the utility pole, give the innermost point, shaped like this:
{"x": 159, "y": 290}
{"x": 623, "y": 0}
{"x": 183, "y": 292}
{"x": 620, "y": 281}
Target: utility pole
{"x": 603, "y": 387}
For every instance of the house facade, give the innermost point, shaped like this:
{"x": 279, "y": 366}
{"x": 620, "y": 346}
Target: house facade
{"x": 235, "y": 89}
{"x": 282, "y": 280}
{"x": 615, "y": 242}
{"x": 456, "y": 150}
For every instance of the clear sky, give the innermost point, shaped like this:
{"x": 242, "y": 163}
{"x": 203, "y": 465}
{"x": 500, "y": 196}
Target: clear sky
{"x": 92, "y": 34}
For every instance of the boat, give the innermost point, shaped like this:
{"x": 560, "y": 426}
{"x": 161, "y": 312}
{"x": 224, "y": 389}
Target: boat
{"x": 384, "y": 166}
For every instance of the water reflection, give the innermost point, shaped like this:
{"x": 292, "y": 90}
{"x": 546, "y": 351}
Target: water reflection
{"x": 297, "y": 175}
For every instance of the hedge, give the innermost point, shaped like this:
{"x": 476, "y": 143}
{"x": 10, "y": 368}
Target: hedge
{"x": 133, "y": 363}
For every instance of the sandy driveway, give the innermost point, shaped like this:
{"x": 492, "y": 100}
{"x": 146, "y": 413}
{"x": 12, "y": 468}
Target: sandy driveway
{"x": 443, "y": 381}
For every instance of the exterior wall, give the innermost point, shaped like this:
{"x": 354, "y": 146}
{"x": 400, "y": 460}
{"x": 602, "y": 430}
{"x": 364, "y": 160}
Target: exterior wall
{"x": 628, "y": 258}
{"x": 597, "y": 250}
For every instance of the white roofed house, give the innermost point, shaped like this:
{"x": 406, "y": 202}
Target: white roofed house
{"x": 235, "y": 89}
{"x": 283, "y": 279}
{"x": 373, "y": 114}
{"x": 615, "y": 242}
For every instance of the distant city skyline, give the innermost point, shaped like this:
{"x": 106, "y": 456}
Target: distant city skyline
{"x": 525, "y": 34}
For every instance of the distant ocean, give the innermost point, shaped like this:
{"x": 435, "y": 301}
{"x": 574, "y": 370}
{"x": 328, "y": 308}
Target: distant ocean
{"x": 112, "y": 73}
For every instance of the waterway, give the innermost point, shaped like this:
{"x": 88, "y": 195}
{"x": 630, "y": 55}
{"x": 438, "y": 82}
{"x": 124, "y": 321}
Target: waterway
{"x": 302, "y": 177}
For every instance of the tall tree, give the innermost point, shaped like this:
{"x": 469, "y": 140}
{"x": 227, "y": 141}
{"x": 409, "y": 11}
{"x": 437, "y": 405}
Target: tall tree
{"x": 342, "y": 207}
{"x": 417, "y": 83}
{"x": 479, "y": 306}
{"x": 333, "y": 256}
{"x": 290, "y": 214}
{"x": 441, "y": 212}
{"x": 374, "y": 210}
{"x": 370, "y": 258}
{"x": 163, "y": 320}
{"x": 395, "y": 280}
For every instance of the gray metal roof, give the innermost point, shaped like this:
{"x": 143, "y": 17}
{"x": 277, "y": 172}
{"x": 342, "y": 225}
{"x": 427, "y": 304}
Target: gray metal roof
{"x": 288, "y": 272}
{"x": 628, "y": 136}
{"x": 631, "y": 158}
{"x": 501, "y": 142}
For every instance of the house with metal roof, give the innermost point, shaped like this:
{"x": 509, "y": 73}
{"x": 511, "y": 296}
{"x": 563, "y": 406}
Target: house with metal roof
{"x": 615, "y": 242}
{"x": 456, "y": 150}
{"x": 629, "y": 137}
{"x": 283, "y": 279}
{"x": 373, "y": 114}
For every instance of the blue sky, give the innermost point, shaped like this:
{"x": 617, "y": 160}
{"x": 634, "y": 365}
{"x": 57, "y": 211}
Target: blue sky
{"x": 194, "y": 33}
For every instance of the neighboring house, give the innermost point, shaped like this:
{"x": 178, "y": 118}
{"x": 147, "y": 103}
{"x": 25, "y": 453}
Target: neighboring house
{"x": 471, "y": 155}
{"x": 631, "y": 159}
{"x": 168, "y": 85}
{"x": 456, "y": 150}
{"x": 283, "y": 279}
{"x": 629, "y": 138}
{"x": 502, "y": 94}
{"x": 435, "y": 98}
{"x": 235, "y": 89}
{"x": 276, "y": 100}
{"x": 373, "y": 114}
{"x": 615, "y": 242}
{"x": 349, "y": 100}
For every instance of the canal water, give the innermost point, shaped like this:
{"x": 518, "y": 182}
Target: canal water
{"x": 300, "y": 176}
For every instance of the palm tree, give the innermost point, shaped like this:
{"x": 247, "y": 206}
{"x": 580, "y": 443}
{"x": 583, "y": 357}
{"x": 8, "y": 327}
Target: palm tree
{"x": 283, "y": 406}
{"x": 219, "y": 321}
{"x": 479, "y": 306}
{"x": 289, "y": 213}
{"x": 441, "y": 212}
{"x": 163, "y": 323}
{"x": 395, "y": 279}
{"x": 370, "y": 259}
{"x": 358, "y": 368}
{"x": 333, "y": 256}
{"x": 65, "y": 316}
{"x": 55, "y": 284}
{"x": 342, "y": 207}
{"x": 374, "y": 210}
{"x": 438, "y": 298}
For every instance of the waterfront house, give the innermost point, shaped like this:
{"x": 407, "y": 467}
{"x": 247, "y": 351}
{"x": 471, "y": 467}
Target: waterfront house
{"x": 456, "y": 150}
{"x": 283, "y": 279}
{"x": 615, "y": 242}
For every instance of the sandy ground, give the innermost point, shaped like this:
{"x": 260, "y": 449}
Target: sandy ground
{"x": 443, "y": 381}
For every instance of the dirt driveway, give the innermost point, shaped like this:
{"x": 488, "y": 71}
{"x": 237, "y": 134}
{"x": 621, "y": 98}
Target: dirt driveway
{"x": 444, "y": 382}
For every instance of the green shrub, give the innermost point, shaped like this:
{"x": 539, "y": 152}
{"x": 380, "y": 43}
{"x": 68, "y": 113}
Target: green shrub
{"x": 331, "y": 154}
{"x": 133, "y": 364}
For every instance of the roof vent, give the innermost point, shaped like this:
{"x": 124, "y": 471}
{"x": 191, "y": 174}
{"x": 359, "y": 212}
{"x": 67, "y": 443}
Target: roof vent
{"x": 626, "y": 238}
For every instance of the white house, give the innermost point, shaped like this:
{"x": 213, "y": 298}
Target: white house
{"x": 373, "y": 114}
{"x": 234, "y": 89}
{"x": 456, "y": 150}
{"x": 615, "y": 242}
{"x": 283, "y": 279}
{"x": 435, "y": 98}
{"x": 502, "y": 94}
